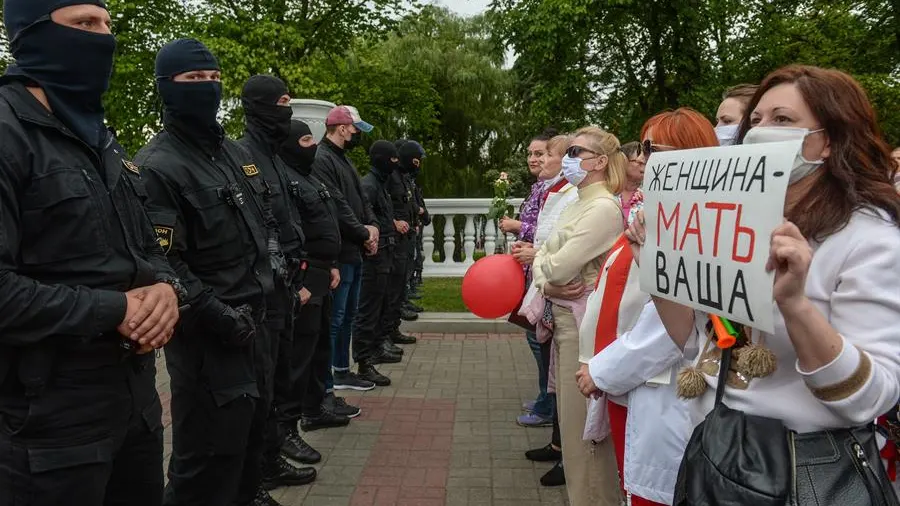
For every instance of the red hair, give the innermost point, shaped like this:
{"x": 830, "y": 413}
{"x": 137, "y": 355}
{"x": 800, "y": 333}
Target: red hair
{"x": 683, "y": 128}
{"x": 858, "y": 172}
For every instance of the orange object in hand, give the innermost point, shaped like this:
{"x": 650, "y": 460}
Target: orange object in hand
{"x": 724, "y": 340}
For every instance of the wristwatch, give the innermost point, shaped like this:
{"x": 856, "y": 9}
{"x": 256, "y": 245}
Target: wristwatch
{"x": 180, "y": 291}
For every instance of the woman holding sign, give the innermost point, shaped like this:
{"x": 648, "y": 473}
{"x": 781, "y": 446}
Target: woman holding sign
{"x": 832, "y": 364}
{"x": 585, "y": 232}
{"x": 628, "y": 355}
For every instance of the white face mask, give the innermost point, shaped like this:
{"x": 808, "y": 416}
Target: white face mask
{"x": 802, "y": 167}
{"x": 726, "y": 134}
{"x": 572, "y": 171}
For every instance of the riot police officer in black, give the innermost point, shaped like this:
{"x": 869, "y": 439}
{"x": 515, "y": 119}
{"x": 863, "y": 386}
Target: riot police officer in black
{"x": 207, "y": 202}
{"x": 267, "y": 113}
{"x": 368, "y": 339}
{"x": 85, "y": 290}
{"x": 411, "y": 156}
{"x": 404, "y": 214}
{"x": 305, "y": 362}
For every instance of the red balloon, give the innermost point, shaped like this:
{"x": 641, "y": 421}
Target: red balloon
{"x": 493, "y": 286}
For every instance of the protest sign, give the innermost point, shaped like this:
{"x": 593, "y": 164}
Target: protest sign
{"x": 709, "y": 215}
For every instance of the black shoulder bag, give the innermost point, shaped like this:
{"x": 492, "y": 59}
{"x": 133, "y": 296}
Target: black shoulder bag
{"x": 735, "y": 459}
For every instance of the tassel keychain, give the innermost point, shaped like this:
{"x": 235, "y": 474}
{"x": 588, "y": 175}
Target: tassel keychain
{"x": 691, "y": 383}
{"x": 755, "y": 360}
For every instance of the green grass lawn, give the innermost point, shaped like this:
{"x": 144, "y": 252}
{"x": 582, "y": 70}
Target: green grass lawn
{"x": 442, "y": 295}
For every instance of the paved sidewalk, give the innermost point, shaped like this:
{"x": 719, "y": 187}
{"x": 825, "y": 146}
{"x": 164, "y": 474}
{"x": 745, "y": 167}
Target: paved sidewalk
{"x": 443, "y": 434}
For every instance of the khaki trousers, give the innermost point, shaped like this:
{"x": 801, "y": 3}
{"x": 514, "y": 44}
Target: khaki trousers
{"x": 591, "y": 471}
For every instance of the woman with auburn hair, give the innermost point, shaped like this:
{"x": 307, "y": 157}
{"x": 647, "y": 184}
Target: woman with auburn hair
{"x": 627, "y": 354}
{"x": 567, "y": 263}
{"x": 834, "y": 359}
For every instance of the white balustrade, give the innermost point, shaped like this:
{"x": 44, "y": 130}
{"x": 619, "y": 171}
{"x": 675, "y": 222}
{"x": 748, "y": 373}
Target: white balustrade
{"x": 478, "y": 238}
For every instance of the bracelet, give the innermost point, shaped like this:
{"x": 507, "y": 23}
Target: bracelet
{"x": 175, "y": 283}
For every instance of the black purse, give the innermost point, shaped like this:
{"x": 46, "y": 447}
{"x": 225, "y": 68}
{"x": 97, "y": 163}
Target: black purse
{"x": 735, "y": 459}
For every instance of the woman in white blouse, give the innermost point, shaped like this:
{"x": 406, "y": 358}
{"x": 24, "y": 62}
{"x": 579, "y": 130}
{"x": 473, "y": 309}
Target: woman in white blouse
{"x": 836, "y": 261}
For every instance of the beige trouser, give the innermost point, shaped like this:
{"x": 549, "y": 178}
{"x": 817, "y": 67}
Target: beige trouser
{"x": 591, "y": 471}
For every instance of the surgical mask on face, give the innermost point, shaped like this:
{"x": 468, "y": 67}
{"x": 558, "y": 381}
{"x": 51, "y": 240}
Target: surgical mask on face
{"x": 726, "y": 134}
{"x": 572, "y": 171}
{"x": 802, "y": 167}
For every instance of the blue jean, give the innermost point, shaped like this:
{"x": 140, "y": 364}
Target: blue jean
{"x": 346, "y": 300}
{"x": 544, "y": 404}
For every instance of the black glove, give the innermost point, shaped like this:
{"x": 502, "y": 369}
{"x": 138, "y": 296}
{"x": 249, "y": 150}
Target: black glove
{"x": 243, "y": 329}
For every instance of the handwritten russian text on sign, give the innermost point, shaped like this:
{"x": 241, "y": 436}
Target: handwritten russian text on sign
{"x": 709, "y": 215}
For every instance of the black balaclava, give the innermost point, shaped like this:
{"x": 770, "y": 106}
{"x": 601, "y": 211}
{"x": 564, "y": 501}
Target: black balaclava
{"x": 295, "y": 155}
{"x": 411, "y": 155}
{"x": 265, "y": 118}
{"x": 190, "y": 107}
{"x": 72, "y": 66}
{"x": 380, "y": 154}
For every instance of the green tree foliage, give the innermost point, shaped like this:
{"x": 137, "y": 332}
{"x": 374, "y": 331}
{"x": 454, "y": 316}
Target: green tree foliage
{"x": 424, "y": 73}
{"x": 279, "y": 37}
{"x": 437, "y": 79}
{"x": 141, "y": 28}
{"x": 625, "y": 60}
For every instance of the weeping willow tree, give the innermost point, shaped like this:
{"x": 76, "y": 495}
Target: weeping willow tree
{"x": 437, "y": 79}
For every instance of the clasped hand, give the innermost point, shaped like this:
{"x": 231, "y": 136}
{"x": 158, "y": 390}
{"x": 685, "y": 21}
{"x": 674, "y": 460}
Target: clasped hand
{"x": 150, "y": 316}
{"x": 524, "y": 252}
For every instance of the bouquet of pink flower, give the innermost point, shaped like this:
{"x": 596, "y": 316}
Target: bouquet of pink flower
{"x": 500, "y": 206}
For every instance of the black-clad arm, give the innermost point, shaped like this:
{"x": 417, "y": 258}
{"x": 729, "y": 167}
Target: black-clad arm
{"x": 166, "y": 215}
{"x": 31, "y": 311}
{"x": 425, "y": 219}
{"x": 350, "y": 226}
{"x": 162, "y": 270}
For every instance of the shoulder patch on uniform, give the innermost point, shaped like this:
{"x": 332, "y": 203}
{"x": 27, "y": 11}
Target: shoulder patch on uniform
{"x": 250, "y": 170}
{"x": 131, "y": 167}
{"x": 165, "y": 236}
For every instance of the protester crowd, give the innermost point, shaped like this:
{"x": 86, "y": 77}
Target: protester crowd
{"x": 645, "y": 407}
{"x": 263, "y": 265}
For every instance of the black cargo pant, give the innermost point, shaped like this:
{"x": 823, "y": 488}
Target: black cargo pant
{"x": 411, "y": 259}
{"x": 92, "y": 437}
{"x": 367, "y": 327}
{"x": 266, "y": 434}
{"x": 304, "y": 363}
{"x": 395, "y": 295}
{"x": 215, "y": 410}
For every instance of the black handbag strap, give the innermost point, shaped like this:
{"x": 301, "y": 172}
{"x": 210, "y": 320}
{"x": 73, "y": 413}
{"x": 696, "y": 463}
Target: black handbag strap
{"x": 724, "y": 367}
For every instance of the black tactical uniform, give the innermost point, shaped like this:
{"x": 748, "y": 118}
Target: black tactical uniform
{"x": 424, "y": 219}
{"x": 367, "y": 327}
{"x": 300, "y": 383}
{"x": 79, "y": 415}
{"x": 73, "y": 238}
{"x": 268, "y": 125}
{"x": 411, "y": 156}
{"x": 404, "y": 210}
{"x": 207, "y": 204}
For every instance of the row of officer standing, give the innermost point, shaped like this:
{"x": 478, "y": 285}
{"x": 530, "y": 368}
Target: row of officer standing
{"x": 229, "y": 254}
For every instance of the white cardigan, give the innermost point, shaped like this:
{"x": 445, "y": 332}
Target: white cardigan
{"x": 638, "y": 370}
{"x": 854, "y": 281}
